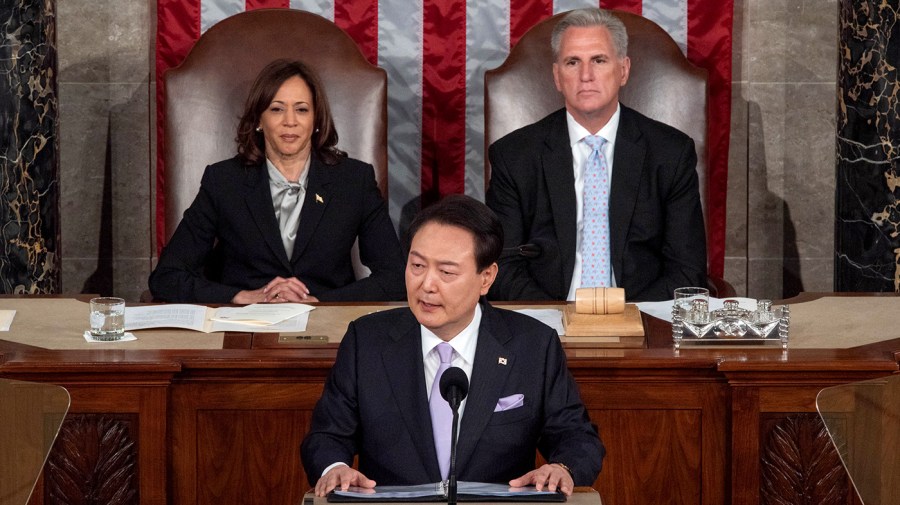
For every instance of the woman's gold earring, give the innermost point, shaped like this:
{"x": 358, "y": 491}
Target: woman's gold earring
{"x": 259, "y": 128}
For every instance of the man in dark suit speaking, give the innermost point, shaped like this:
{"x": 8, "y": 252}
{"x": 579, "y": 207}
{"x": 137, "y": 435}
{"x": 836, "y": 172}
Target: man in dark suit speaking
{"x": 521, "y": 397}
{"x": 608, "y": 195}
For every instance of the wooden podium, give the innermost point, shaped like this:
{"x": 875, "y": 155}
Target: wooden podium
{"x": 581, "y": 496}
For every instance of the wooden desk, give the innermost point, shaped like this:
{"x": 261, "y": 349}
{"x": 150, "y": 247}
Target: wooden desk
{"x": 213, "y": 426}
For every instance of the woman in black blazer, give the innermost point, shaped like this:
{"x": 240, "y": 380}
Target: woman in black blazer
{"x": 277, "y": 222}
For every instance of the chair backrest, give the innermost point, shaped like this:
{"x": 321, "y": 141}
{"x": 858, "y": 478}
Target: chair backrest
{"x": 663, "y": 85}
{"x": 205, "y": 95}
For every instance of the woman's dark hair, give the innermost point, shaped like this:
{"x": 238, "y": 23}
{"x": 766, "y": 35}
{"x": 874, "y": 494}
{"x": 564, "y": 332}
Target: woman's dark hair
{"x": 251, "y": 143}
{"x": 469, "y": 214}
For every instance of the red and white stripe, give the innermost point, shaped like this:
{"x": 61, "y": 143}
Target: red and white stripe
{"x": 435, "y": 53}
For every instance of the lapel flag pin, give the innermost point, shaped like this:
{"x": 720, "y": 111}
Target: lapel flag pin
{"x": 501, "y": 360}
{"x": 319, "y": 199}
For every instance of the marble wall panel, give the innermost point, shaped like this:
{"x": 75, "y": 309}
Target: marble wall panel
{"x": 130, "y": 138}
{"x": 765, "y": 278}
{"x": 765, "y": 169}
{"x": 29, "y": 156}
{"x": 868, "y": 170}
{"x": 736, "y": 205}
{"x": 105, "y": 40}
{"x": 105, "y": 70}
{"x": 739, "y": 58}
{"x": 790, "y": 187}
{"x": 736, "y": 273}
{"x": 80, "y": 276}
{"x": 106, "y": 204}
{"x": 736, "y": 228}
{"x": 791, "y": 40}
{"x": 818, "y": 274}
{"x": 83, "y": 147}
{"x": 131, "y": 277}
{"x": 784, "y": 151}
{"x": 809, "y": 167}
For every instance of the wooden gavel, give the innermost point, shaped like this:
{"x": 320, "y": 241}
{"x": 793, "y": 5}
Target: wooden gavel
{"x": 599, "y": 300}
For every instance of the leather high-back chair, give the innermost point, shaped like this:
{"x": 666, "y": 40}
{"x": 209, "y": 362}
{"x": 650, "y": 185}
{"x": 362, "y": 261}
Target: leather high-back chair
{"x": 663, "y": 85}
{"x": 205, "y": 95}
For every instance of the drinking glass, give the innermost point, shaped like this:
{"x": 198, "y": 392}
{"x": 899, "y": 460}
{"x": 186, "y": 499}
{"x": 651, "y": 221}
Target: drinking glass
{"x": 685, "y": 298}
{"x": 107, "y": 318}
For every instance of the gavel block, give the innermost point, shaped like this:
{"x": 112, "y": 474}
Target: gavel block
{"x": 602, "y": 312}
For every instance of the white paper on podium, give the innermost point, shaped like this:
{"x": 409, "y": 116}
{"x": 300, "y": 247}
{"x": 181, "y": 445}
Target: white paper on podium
{"x": 261, "y": 314}
{"x": 6, "y": 319}
{"x": 663, "y": 310}
{"x": 550, "y": 317}
{"x": 202, "y": 318}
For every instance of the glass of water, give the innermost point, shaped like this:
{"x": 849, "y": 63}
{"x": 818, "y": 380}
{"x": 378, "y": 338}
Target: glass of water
{"x": 685, "y": 298}
{"x": 107, "y": 318}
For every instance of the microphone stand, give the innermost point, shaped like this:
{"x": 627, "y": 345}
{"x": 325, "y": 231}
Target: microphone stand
{"x": 451, "y": 486}
{"x": 454, "y": 387}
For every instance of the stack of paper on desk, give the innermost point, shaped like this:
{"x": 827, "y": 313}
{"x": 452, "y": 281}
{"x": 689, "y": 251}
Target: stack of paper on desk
{"x": 257, "y": 318}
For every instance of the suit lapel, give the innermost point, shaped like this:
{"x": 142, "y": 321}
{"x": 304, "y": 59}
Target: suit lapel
{"x": 400, "y": 357}
{"x": 314, "y": 204}
{"x": 559, "y": 177}
{"x": 628, "y": 168}
{"x": 259, "y": 203}
{"x": 488, "y": 378}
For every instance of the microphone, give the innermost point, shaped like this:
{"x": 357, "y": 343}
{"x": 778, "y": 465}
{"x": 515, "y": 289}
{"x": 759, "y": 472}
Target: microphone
{"x": 454, "y": 388}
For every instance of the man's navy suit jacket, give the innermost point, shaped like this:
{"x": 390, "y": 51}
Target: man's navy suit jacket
{"x": 233, "y": 213}
{"x": 375, "y": 405}
{"x": 657, "y": 238}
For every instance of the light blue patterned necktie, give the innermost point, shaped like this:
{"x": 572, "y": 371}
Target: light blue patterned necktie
{"x": 595, "y": 269}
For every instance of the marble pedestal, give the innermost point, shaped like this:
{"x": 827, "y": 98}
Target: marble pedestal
{"x": 29, "y": 153}
{"x": 867, "y": 227}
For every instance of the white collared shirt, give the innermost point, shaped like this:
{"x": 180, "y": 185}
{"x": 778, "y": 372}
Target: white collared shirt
{"x": 463, "y": 344}
{"x": 580, "y": 154}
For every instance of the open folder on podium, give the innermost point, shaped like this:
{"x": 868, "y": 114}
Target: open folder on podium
{"x": 30, "y": 417}
{"x": 437, "y": 492}
{"x": 581, "y": 496}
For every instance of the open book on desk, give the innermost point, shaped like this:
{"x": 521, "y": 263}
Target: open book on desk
{"x": 437, "y": 492}
{"x": 257, "y": 318}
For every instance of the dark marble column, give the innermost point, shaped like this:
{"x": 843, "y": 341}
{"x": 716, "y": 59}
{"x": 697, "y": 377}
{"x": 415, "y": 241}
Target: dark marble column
{"x": 29, "y": 148}
{"x": 867, "y": 227}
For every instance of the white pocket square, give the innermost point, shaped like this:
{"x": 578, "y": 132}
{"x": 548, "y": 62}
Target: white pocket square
{"x": 510, "y": 402}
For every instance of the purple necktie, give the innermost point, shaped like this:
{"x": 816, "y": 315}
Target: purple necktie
{"x": 595, "y": 270}
{"x": 441, "y": 415}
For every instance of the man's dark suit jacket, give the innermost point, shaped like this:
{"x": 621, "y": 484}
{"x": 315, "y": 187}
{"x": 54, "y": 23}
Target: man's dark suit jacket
{"x": 657, "y": 237}
{"x": 375, "y": 405}
{"x": 233, "y": 212}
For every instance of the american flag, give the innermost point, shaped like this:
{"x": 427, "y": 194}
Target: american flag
{"x": 435, "y": 53}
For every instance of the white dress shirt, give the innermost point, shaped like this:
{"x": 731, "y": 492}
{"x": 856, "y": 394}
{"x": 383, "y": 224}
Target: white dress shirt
{"x": 580, "y": 154}
{"x": 463, "y": 353}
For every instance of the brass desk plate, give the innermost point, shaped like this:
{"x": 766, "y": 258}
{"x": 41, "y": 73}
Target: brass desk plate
{"x": 302, "y": 339}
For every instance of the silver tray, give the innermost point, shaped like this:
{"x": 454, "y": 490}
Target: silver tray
{"x": 730, "y": 325}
